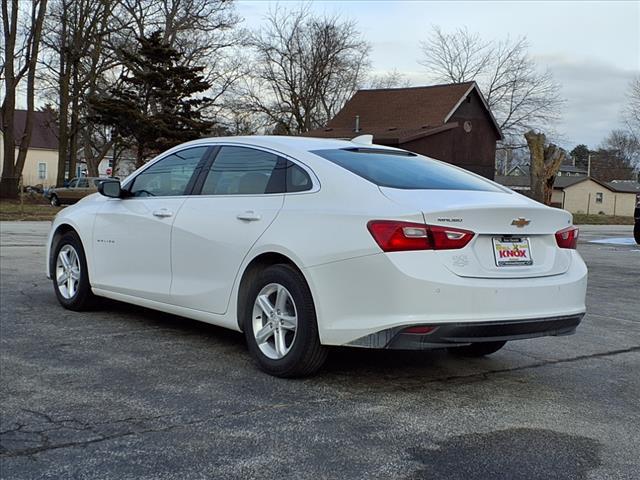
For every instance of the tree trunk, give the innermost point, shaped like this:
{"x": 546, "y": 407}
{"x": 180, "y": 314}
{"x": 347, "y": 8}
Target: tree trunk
{"x": 12, "y": 166}
{"x": 544, "y": 165}
{"x": 25, "y": 141}
{"x": 73, "y": 132}
{"x": 63, "y": 128}
{"x": 93, "y": 161}
{"x": 139, "y": 156}
{"x": 63, "y": 87}
{"x": 9, "y": 182}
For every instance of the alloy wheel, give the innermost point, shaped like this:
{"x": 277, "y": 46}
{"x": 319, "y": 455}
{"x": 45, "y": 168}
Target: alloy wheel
{"x": 275, "y": 321}
{"x": 68, "y": 271}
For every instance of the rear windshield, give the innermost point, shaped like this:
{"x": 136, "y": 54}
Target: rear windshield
{"x": 404, "y": 170}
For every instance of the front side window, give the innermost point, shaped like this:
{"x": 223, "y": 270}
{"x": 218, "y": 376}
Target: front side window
{"x": 83, "y": 183}
{"x": 42, "y": 171}
{"x": 168, "y": 177}
{"x": 73, "y": 183}
{"x": 243, "y": 171}
{"x": 405, "y": 170}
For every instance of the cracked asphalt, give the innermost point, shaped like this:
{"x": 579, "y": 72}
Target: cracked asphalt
{"x": 128, "y": 393}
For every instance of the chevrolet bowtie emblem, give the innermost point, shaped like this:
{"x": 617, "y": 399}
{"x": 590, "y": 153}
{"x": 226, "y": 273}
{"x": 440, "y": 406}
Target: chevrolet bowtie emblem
{"x": 520, "y": 222}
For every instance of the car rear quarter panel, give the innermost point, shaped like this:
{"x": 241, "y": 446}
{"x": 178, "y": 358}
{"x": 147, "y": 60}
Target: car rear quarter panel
{"x": 330, "y": 224}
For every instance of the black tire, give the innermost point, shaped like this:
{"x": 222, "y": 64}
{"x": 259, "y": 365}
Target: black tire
{"x": 83, "y": 298}
{"x": 479, "y": 349}
{"x": 306, "y": 354}
{"x": 54, "y": 201}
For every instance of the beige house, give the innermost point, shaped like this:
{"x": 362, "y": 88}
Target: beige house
{"x": 587, "y": 195}
{"x": 41, "y": 164}
{"x": 582, "y": 194}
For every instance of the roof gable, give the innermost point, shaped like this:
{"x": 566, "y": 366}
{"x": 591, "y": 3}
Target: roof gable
{"x": 403, "y": 112}
{"x": 44, "y": 133}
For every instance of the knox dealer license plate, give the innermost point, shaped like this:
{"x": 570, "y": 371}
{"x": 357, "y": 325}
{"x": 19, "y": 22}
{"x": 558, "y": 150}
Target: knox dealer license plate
{"x": 512, "y": 251}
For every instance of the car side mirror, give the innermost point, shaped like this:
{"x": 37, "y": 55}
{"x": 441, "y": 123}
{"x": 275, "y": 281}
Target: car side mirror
{"x": 110, "y": 188}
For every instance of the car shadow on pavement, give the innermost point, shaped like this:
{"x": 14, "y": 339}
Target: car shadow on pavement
{"x": 156, "y": 319}
{"x": 361, "y": 365}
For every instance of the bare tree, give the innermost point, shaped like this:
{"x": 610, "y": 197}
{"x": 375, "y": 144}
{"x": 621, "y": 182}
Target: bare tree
{"x": 520, "y": 95}
{"x": 306, "y": 68}
{"x": 18, "y": 63}
{"x": 626, "y": 145}
{"x": 392, "y": 79}
{"x": 617, "y": 157}
{"x": 456, "y": 57}
{"x": 545, "y": 161}
{"x": 632, "y": 109}
{"x": 77, "y": 58}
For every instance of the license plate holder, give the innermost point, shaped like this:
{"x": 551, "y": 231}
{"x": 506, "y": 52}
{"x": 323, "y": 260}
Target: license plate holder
{"x": 512, "y": 251}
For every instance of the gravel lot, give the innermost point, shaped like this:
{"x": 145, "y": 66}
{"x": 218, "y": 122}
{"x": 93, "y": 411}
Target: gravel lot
{"x": 129, "y": 393}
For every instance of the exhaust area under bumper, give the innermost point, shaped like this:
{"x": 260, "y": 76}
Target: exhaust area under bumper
{"x": 458, "y": 334}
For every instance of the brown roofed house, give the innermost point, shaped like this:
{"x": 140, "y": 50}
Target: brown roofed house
{"x": 41, "y": 163}
{"x": 449, "y": 122}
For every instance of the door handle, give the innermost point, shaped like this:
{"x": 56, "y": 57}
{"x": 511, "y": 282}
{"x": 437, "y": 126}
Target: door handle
{"x": 162, "y": 213}
{"x": 249, "y": 216}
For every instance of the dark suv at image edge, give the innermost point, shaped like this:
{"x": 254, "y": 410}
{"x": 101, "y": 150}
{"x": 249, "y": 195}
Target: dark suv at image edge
{"x": 636, "y": 223}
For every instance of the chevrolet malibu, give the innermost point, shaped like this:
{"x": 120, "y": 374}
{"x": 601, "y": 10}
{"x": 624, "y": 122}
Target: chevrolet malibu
{"x": 304, "y": 243}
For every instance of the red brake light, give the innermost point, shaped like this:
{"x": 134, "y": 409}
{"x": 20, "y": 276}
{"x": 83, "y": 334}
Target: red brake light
{"x": 394, "y": 236}
{"x": 419, "y": 330}
{"x": 445, "y": 238}
{"x": 568, "y": 237}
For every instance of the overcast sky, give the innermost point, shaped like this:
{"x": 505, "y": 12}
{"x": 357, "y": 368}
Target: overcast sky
{"x": 592, "y": 48}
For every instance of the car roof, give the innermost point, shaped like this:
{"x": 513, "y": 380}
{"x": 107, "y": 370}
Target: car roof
{"x": 308, "y": 144}
{"x": 286, "y": 145}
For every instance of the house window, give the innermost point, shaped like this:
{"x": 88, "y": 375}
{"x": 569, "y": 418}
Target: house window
{"x": 599, "y": 196}
{"x": 42, "y": 171}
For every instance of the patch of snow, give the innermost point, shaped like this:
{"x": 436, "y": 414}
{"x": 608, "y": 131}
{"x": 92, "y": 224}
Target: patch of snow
{"x": 615, "y": 241}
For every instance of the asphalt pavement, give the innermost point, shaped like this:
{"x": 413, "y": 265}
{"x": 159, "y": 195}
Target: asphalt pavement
{"x": 128, "y": 393}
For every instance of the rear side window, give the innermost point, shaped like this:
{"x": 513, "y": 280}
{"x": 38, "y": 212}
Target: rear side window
{"x": 297, "y": 179}
{"x": 404, "y": 170}
{"x": 244, "y": 171}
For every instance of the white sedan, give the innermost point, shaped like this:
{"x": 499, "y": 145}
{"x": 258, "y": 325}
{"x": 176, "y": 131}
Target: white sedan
{"x": 303, "y": 243}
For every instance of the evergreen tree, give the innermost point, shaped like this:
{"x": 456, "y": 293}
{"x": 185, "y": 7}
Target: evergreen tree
{"x": 581, "y": 155}
{"x": 156, "y": 104}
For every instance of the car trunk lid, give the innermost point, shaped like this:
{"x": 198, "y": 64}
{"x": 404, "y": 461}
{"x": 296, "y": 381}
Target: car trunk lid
{"x": 501, "y": 221}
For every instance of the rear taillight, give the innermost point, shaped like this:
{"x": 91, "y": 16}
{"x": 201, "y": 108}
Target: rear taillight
{"x": 567, "y": 237}
{"x": 394, "y": 236}
{"x": 419, "y": 330}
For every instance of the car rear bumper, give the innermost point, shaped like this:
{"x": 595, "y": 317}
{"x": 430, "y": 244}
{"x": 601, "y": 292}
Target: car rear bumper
{"x": 455, "y": 334}
{"x": 362, "y": 296}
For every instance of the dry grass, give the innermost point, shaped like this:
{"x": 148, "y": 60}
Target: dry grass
{"x": 31, "y": 210}
{"x": 583, "y": 219}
